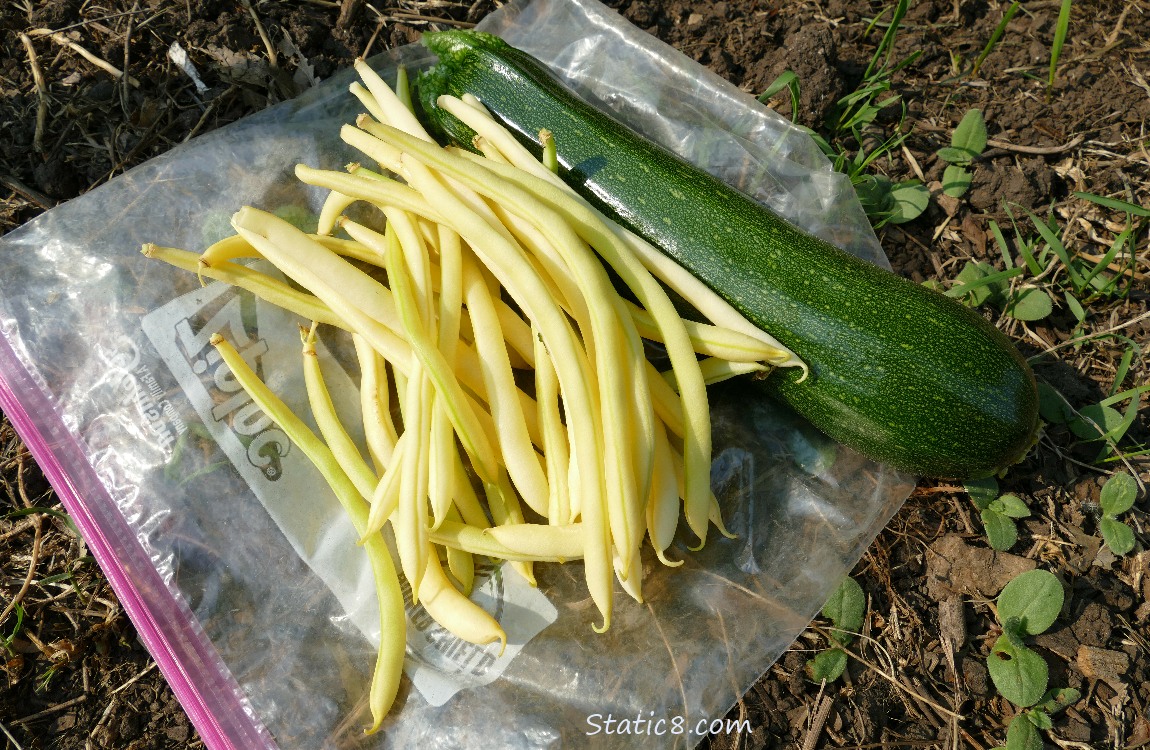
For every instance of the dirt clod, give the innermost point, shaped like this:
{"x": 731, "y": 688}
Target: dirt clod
{"x": 955, "y": 567}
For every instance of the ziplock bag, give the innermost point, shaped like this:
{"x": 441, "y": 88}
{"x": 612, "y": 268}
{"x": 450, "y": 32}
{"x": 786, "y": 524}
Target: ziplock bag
{"x": 228, "y": 553}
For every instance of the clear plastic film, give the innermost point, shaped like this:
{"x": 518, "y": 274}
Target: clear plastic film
{"x": 241, "y": 574}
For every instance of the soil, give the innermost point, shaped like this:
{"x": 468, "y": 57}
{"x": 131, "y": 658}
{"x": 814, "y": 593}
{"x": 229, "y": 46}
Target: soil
{"x": 74, "y": 675}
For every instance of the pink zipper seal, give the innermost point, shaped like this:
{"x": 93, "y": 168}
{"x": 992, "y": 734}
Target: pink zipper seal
{"x": 207, "y": 691}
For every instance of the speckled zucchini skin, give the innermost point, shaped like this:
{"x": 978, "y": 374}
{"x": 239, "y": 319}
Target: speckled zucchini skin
{"x": 898, "y": 372}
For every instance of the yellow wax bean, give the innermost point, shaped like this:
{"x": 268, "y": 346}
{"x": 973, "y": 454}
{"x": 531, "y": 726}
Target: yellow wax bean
{"x": 627, "y": 446}
{"x": 717, "y": 370}
{"x": 383, "y": 339}
{"x": 391, "y": 106}
{"x": 462, "y": 617}
{"x": 447, "y": 387}
{"x": 382, "y": 192}
{"x": 712, "y": 341}
{"x": 306, "y": 261}
{"x": 588, "y": 225}
{"x": 450, "y": 269}
{"x": 556, "y": 452}
{"x": 323, "y": 410}
{"x": 374, "y": 400}
{"x": 410, "y": 518}
{"x": 505, "y": 511}
{"x": 466, "y": 501}
{"x": 385, "y": 498}
{"x": 265, "y": 287}
{"x": 460, "y": 563}
{"x": 541, "y": 540}
{"x": 475, "y": 540}
{"x": 333, "y": 207}
{"x": 631, "y": 576}
{"x": 441, "y": 472}
{"x": 227, "y": 249}
{"x": 663, "y": 500}
{"x": 524, "y": 285}
{"x": 417, "y": 262}
{"x": 342, "y": 285}
{"x": 677, "y": 278}
{"x": 367, "y": 100}
{"x": 511, "y": 428}
{"x": 392, "y": 616}
{"x": 402, "y": 90}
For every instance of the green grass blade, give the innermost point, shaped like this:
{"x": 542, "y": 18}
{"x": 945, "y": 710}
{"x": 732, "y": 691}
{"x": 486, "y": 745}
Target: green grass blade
{"x": 1059, "y": 39}
{"x": 787, "y": 80}
{"x": 995, "y": 36}
{"x": 1124, "y": 367}
{"x": 888, "y": 37}
{"x": 1056, "y": 246}
{"x": 1003, "y": 248}
{"x": 1114, "y": 203}
{"x": 960, "y": 290}
{"x": 1115, "y": 247}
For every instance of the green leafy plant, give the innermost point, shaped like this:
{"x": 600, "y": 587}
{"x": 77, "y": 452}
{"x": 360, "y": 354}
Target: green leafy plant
{"x": 849, "y": 125}
{"x": 1027, "y": 606}
{"x": 998, "y": 512}
{"x": 1117, "y": 497}
{"x": 845, "y": 608}
{"x": 1098, "y": 423}
{"x": 966, "y": 143}
{"x": 1054, "y": 267}
{"x": 978, "y": 283}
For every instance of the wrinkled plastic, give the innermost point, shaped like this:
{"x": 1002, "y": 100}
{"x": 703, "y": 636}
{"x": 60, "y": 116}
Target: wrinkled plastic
{"x": 238, "y": 598}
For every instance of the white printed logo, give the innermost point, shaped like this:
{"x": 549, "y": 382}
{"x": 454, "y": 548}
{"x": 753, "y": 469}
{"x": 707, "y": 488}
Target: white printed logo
{"x": 295, "y": 494}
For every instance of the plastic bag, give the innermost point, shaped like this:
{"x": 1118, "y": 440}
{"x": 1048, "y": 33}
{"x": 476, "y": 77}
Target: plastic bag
{"x": 237, "y": 568}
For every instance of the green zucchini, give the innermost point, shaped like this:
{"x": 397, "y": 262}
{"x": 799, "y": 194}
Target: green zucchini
{"x": 898, "y": 372}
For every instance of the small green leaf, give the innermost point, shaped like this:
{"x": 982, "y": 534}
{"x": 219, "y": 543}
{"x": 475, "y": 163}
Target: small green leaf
{"x": 982, "y": 491}
{"x": 1029, "y": 304}
{"x": 1035, "y": 598}
{"x": 874, "y": 192}
{"x": 1019, "y": 673}
{"x": 970, "y": 274}
{"x": 827, "y": 665}
{"x": 1039, "y": 718}
{"x": 910, "y": 199}
{"x": 1075, "y": 306}
{"x": 1118, "y": 536}
{"x": 955, "y": 181}
{"x": 1000, "y": 530}
{"x": 1118, "y": 494}
{"x": 970, "y": 134}
{"x": 1090, "y": 418}
{"x": 1013, "y": 506}
{"x": 1022, "y": 734}
{"x": 846, "y": 608}
{"x": 960, "y": 156}
{"x": 1052, "y": 405}
{"x": 1058, "y": 699}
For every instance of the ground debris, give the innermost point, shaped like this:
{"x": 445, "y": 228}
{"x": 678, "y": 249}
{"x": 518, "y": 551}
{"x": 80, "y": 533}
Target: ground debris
{"x": 955, "y": 567}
